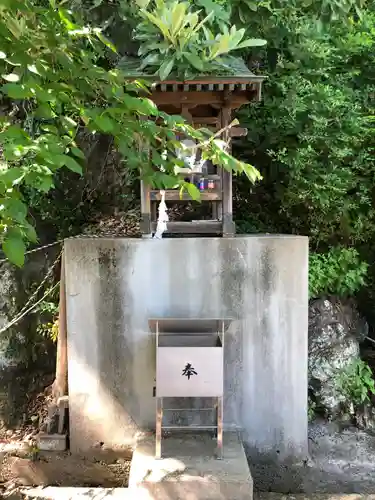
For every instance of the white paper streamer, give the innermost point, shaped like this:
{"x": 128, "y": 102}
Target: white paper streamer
{"x": 163, "y": 218}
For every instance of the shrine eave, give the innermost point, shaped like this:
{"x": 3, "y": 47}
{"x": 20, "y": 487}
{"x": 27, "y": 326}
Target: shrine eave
{"x": 205, "y": 84}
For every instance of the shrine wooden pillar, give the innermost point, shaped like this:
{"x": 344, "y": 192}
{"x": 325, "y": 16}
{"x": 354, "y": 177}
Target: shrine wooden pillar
{"x": 229, "y": 228}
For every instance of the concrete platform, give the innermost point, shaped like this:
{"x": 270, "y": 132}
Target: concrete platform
{"x": 56, "y": 493}
{"x": 190, "y": 471}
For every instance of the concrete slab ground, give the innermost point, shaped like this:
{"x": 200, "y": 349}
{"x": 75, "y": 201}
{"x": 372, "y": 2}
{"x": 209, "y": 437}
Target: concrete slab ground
{"x": 55, "y": 493}
{"x": 189, "y": 469}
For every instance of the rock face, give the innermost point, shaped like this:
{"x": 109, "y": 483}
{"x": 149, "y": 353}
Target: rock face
{"x": 22, "y": 347}
{"x": 335, "y": 331}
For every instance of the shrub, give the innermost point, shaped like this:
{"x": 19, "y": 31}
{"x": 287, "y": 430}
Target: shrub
{"x": 355, "y": 383}
{"x": 340, "y": 272}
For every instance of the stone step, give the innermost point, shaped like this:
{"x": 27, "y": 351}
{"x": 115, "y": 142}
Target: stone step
{"x": 189, "y": 469}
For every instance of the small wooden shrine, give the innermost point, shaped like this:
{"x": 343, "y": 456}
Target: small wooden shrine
{"x": 209, "y": 103}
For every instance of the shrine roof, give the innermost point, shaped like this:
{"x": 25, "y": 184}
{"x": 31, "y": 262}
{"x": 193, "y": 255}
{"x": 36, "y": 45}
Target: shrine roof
{"x": 241, "y": 78}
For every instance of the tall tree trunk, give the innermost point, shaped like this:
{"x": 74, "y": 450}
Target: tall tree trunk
{"x": 60, "y": 385}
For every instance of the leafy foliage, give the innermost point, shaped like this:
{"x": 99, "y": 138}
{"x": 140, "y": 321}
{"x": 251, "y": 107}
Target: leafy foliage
{"x": 356, "y": 382}
{"x": 49, "y": 327}
{"x": 51, "y": 71}
{"x": 312, "y": 137}
{"x": 173, "y": 39}
{"x": 311, "y": 409}
{"x": 325, "y": 11}
{"x": 313, "y": 129}
{"x": 340, "y": 272}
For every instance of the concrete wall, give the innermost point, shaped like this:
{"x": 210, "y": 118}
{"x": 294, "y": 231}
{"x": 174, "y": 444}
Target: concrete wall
{"x": 115, "y": 285}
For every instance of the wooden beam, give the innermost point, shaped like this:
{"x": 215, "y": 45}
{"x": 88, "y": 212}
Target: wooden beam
{"x": 206, "y": 120}
{"x": 193, "y": 98}
{"x": 174, "y": 195}
{"x": 194, "y": 227}
{"x": 145, "y": 209}
{"x": 186, "y": 113}
{"x": 237, "y": 132}
{"x": 60, "y": 385}
{"x": 145, "y": 196}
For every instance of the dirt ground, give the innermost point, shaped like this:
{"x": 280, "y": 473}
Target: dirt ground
{"x": 21, "y": 464}
{"x": 24, "y": 468}
{"x": 341, "y": 460}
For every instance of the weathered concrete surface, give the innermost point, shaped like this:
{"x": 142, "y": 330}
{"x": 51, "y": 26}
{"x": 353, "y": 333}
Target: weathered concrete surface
{"x": 189, "y": 469}
{"x": 115, "y": 285}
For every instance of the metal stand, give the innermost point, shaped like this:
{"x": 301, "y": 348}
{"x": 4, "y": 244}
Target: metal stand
{"x": 218, "y": 427}
{"x": 219, "y": 450}
{"x": 159, "y": 425}
{"x": 172, "y": 344}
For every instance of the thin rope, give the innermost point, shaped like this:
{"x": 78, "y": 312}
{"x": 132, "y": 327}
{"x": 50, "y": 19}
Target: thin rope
{"x": 20, "y": 316}
{"x": 27, "y": 308}
{"x": 160, "y": 229}
{"x": 58, "y": 242}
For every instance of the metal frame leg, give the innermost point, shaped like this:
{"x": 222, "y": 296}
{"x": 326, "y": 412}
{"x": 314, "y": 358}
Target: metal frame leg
{"x": 159, "y": 419}
{"x": 219, "y": 428}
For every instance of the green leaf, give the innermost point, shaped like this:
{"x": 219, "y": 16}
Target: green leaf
{"x": 16, "y": 91}
{"x": 166, "y": 68}
{"x": 72, "y": 165}
{"x": 45, "y": 95}
{"x": 178, "y": 15}
{"x": 242, "y": 15}
{"x": 30, "y": 233}
{"x": 14, "y": 208}
{"x": 50, "y": 128}
{"x": 252, "y": 5}
{"x": 33, "y": 69}
{"x": 193, "y": 191}
{"x": 96, "y": 4}
{"x": 65, "y": 19}
{"x": 105, "y": 123}
{"x": 78, "y": 153}
{"x": 44, "y": 111}
{"x": 10, "y": 176}
{"x": 106, "y": 42}
{"x": 14, "y": 248}
{"x": 69, "y": 124}
{"x": 159, "y": 23}
{"x": 39, "y": 181}
{"x": 221, "y": 46}
{"x": 195, "y": 61}
{"x": 139, "y": 105}
{"x": 11, "y": 77}
{"x": 151, "y": 59}
{"x": 252, "y": 42}
{"x": 3, "y": 55}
